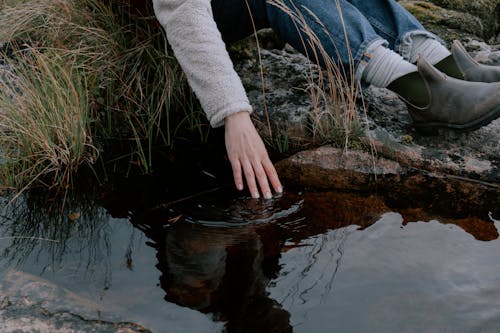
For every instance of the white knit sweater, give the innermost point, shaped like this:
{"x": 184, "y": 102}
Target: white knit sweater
{"x": 198, "y": 46}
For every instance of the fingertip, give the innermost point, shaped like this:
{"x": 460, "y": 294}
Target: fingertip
{"x": 273, "y": 176}
{"x": 278, "y": 188}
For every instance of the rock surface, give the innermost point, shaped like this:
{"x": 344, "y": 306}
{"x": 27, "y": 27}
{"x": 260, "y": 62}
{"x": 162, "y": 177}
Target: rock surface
{"x": 330, "y": 168}
{"x": 288, "y": 79}
{"x": 29, "y": 304}
{"x": 474, "y": 155}
{"x": 456, "y": 19}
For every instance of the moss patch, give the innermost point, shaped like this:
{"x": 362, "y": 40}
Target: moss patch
{"x": 458, "y": 19}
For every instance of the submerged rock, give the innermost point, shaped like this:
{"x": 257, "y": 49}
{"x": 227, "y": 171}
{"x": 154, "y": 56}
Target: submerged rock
{"x": 29, "y": 304}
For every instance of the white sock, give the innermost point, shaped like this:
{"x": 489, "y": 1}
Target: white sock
{"x": 428, "y": 47}
{"x": 386, "y": 66}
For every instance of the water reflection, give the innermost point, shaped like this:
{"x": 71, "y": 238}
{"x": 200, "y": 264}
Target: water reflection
{"x": 225, "y": 274}
{"x": 224, "y": 270}
{"x": 45, "y": 222}
{"x": 219, "y": 257}
{"x": 70, "y": 259}
{"x": 222, "y": 255}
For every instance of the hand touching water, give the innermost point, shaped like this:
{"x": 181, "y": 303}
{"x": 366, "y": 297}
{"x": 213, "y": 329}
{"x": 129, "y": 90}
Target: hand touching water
{"x": 247, "y": 153}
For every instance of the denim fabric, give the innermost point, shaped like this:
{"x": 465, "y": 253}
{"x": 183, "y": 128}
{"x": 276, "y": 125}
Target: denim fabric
{"x": 347, "y": 35}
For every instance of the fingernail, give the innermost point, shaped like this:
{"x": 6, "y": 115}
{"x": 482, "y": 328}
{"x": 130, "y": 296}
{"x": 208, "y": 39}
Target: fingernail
{"x": 280, "y": 189}
{"x": 239, "y": 187}
{"x": 268, "y": 195}
{"x": 255, "y": 195}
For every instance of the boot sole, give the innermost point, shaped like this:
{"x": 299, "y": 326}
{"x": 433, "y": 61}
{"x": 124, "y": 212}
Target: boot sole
{"x": 432, "y": 128}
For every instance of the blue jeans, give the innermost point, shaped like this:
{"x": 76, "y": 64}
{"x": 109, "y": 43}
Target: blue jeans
{"x": 367, "y": 24}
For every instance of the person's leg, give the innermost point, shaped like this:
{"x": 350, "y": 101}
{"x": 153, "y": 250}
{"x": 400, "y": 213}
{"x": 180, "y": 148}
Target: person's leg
{"x": 394, "y": 23}
{"x": 407, "y": 36}
{"x": 433, "y": 99}
{"x": 350, "y": 48}
{"x": 236, "y": 18}
{"x": 342, "y": 31}
{"x": 364, "y": 52}
{"x": 345, "y": 34}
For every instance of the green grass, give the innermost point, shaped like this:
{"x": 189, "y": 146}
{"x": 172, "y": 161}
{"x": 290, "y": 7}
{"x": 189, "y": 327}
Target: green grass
{"x": 89, "y": 77}
{"x": 45, "y": 130}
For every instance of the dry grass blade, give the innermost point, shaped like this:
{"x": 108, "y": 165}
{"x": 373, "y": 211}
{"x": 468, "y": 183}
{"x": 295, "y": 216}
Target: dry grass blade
{"x": 44, "y": 119}
{"x": 85, "y": 71}
{"x": 334, "y": 91}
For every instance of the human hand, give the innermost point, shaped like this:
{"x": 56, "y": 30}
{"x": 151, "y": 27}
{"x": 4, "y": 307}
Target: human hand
{"x": 247, "y": 152}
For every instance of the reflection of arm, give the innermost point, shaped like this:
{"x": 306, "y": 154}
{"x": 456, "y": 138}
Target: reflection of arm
{"x": 198, "y": 46}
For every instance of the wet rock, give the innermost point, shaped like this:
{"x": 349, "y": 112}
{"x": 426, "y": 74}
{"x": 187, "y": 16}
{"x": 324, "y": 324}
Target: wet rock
{"x": 24, "y": 316}
{"x": 333, "y": 168}
{"x": 31, "y": 304}
{"x": 328, "y": 167}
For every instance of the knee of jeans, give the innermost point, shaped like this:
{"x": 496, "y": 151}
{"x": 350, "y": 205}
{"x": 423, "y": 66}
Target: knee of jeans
{"x": 405, "y": 43}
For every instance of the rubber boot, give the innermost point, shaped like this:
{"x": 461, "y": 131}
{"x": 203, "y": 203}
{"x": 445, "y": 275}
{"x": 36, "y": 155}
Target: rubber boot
{"x": 462, "y": 66}
{"x": 436, "y": 100}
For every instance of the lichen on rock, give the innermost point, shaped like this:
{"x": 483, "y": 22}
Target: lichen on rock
{"x": 452, "y": 19}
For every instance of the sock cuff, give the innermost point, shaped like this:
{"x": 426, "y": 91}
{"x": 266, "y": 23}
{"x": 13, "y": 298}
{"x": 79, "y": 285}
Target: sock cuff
{"x": 428, "y": 47}
{"x": 386, "y": 66}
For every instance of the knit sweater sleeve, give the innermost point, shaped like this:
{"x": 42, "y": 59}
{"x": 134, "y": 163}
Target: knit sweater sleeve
{"x": 201, "y": 52}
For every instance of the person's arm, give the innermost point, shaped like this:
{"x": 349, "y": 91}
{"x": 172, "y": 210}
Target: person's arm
{"x": 198, "y": 46}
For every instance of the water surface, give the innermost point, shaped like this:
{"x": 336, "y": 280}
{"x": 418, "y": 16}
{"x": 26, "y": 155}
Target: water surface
{"x": 302, "y": 262}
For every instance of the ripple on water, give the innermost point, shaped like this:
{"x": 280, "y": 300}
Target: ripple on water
{"x": 222, "y": 209}
{"x": 311, "y": 262}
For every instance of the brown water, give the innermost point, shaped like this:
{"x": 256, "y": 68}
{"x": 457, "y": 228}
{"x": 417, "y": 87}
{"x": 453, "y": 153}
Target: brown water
{"x": 302, "y": 262}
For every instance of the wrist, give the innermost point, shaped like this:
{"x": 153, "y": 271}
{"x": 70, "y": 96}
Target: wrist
{"x": 237, "y": 117}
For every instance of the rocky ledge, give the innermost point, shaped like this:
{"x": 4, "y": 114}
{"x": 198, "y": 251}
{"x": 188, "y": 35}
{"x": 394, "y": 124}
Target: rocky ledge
{"x": 469, "y": 158}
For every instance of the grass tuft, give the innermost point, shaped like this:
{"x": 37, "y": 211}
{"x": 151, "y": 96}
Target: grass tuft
{"x": 44, "y": 120}
{"x": 86, "y": 76}
{"x": 333, "y": 90}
